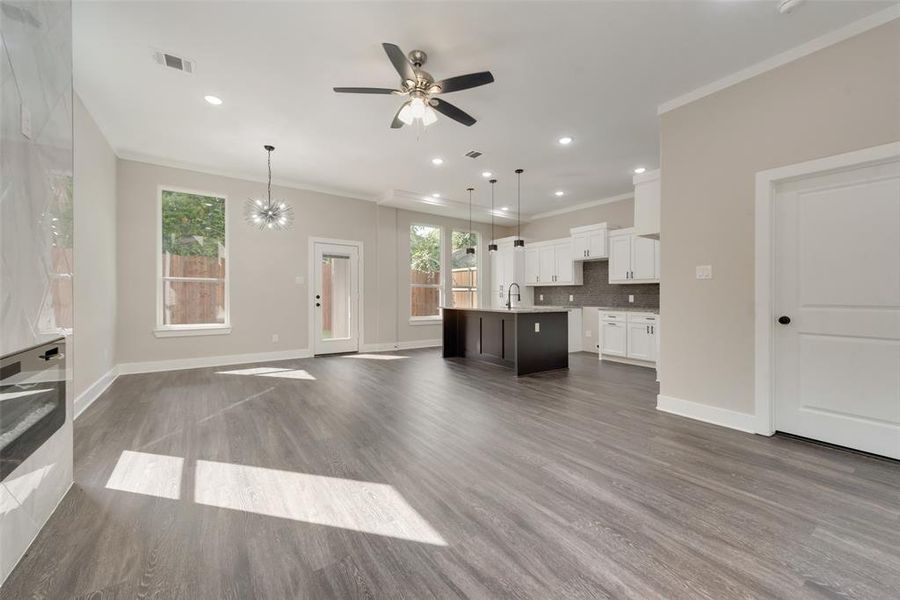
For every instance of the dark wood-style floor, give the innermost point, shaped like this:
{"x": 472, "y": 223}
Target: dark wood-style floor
{"x": 567, "y": 484}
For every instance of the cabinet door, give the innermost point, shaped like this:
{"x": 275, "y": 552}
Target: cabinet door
{"x": 619, "y": 258}
{"x": 532, "y": 265}
{"x": 580, "y": 246}
{"x": 564, "y": 269}
{"x": 613, "y": 338}
{"x": 643, "y": 258}
{"x": 575, "y": 330}
{"x": 590, "y": 326}
{"x": 547, "y": 272}
{"x": 641, "y": 344}
{"x": 596, "y": 242}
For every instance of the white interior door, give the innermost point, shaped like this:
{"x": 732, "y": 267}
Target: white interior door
{"x": 837, "y": 300}
{"x": 336, "y": 298}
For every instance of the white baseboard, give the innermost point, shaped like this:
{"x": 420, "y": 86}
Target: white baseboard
{"x": 391, "y": 346}
{"x": 87, "y": 397}
{"x": 705, "y": 412}
{"x": 209, "y": 361}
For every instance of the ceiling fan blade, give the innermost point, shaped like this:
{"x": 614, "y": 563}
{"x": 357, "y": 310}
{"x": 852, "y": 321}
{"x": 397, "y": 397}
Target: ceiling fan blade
{"x": 397, "y": 123}
{"x": 398, "y": 59}
{"x": 463, "y": 82}
{"x": 364, "y": 90}
{"x": 448, "y": 110}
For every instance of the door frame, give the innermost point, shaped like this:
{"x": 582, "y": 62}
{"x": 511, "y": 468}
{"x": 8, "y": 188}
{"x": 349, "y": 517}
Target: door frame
{"x": 311, "y": 278}
{"x": 766, "y": 183}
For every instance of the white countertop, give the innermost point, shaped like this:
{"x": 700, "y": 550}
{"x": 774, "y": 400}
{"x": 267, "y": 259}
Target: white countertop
{"x": 514, "y": 310}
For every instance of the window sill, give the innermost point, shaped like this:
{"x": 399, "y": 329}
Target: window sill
{"x": 434, "y": 321}
{"x": 162, "y": 332}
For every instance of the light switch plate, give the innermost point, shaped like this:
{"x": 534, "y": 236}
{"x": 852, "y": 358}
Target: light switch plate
{"x": 704, "y": 271}
{"x": 299, "y": 280}
{"x": 537, "y": 327}
{"x": 274, "y": 338}
{"x": 588, "y": 333}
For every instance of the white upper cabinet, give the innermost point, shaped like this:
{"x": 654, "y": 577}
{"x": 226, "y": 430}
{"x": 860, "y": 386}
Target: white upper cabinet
{"x": 590, "y": 242}
{"x": 632, "y": 259}
{"x": 550, "y": 263}
{"x": 507, "y": 266}
{"x": 647, "y": 201}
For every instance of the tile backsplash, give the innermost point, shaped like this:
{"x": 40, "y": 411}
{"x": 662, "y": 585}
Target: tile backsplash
{"x": 597, "y": 291}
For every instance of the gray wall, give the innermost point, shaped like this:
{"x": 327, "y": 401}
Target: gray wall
{"x": 597, "y": 291}
{"x": 95, "y": 252}
{"x": 619, "y": 213}
{"x": 842, "y": 98}
{"x": 265, "y": 298}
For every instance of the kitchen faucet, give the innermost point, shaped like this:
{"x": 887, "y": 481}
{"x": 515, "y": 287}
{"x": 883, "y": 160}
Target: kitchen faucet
{"x": 509, "y": 295}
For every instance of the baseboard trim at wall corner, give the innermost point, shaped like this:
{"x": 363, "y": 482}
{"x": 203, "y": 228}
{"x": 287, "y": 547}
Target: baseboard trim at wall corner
{"x": 417, "y": 344}
{"x": 180, "y": 364}
{"x": 95, "y": 390}
{"x": 723, "y": 417}
{"x": 395, "y": 346}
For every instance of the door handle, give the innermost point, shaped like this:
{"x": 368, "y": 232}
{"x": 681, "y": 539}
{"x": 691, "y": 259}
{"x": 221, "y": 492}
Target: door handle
{"x": 784, "y": 320}
{"x": 318, "y": 296}
{"x": 317, "y": 304}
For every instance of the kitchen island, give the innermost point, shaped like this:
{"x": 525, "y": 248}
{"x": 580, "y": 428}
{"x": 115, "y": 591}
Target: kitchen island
{"x": 529, "y": 340}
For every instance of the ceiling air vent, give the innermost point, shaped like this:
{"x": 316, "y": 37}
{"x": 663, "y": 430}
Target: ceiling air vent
{"x": 473, "y": 153}
{"x": 174, "y": 62}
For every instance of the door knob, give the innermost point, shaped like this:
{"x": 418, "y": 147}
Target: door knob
{"x": 318, "y": 296}
{"x": 317, "y": 304}
{"x": 784, "y": 319}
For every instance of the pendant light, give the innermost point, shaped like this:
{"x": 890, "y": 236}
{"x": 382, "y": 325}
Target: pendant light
{"x": 268, "y": 213}
{"x": 492, "y": 247}
{"x": 470, "y": 249}
{"x": 519, "y": 242}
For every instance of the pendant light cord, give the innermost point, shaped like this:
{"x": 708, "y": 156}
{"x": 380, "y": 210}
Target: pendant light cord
{"x": 269, "y": 188}
{"x": 519, "y": 203}
{"x": 493, "y": 181}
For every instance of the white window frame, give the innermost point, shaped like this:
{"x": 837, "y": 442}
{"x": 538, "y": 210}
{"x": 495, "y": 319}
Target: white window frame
{"x": 428, "y": 320}
{"x": 478, "y": 281}
{"x": 163, "y": 330}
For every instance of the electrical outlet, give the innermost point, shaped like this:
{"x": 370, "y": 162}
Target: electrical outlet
{"x": 274, "y": 338}
{"x": 541, "y": 297}
{"x": 537, "y": 327}
{"x": 631, "y": 298}
{"x": 704, "y": 271}
{"x": 571, "y": 297}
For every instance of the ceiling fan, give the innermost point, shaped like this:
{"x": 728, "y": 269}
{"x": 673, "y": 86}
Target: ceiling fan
{"x": 421, "y": 88}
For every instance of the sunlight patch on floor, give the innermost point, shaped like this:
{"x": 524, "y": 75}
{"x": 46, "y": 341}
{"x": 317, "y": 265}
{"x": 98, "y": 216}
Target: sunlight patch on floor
{"x": 272, "y": 372}
{"x": 149, "y": 474}
{"x": 363, "y": 506}
{"x": 375, "y": 356}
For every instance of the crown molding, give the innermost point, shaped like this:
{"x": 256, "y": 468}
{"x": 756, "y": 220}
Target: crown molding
{"x": 582, "y": 206}
{"x": 174, "y": 164}
{"x": 814, "y": 45}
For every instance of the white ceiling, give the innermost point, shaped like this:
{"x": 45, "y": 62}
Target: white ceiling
{"x": 595, "y": 71}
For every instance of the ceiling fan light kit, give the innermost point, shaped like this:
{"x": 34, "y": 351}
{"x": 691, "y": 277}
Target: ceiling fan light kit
{"x": 421, "y": 88}
{"x": 268, "y": 213}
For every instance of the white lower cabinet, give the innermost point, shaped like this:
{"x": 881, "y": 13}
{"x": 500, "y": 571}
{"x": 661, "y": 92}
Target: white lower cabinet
{"x": 628, "y": 335}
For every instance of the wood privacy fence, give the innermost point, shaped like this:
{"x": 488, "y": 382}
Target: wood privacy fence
{"x": 191, "y": 302}
{"x": 424, "y": 301}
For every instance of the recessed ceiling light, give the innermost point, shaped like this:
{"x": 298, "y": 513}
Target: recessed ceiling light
{"x": 437, "y": 161}
{"x": 214, "y": 100}
{"x": 565, "y": 140}
{"x": 486, "y": 174}
{"x": 505, "y": 208}
{"x": 559, "y": 193}
{"x": 639, "y": 170}
{"x": 435, "y": 195}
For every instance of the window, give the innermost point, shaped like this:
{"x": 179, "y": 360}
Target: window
{"x": 424, "y": 272}
{"x": 193, "y": 284}
{"x": 464, "y": 269}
